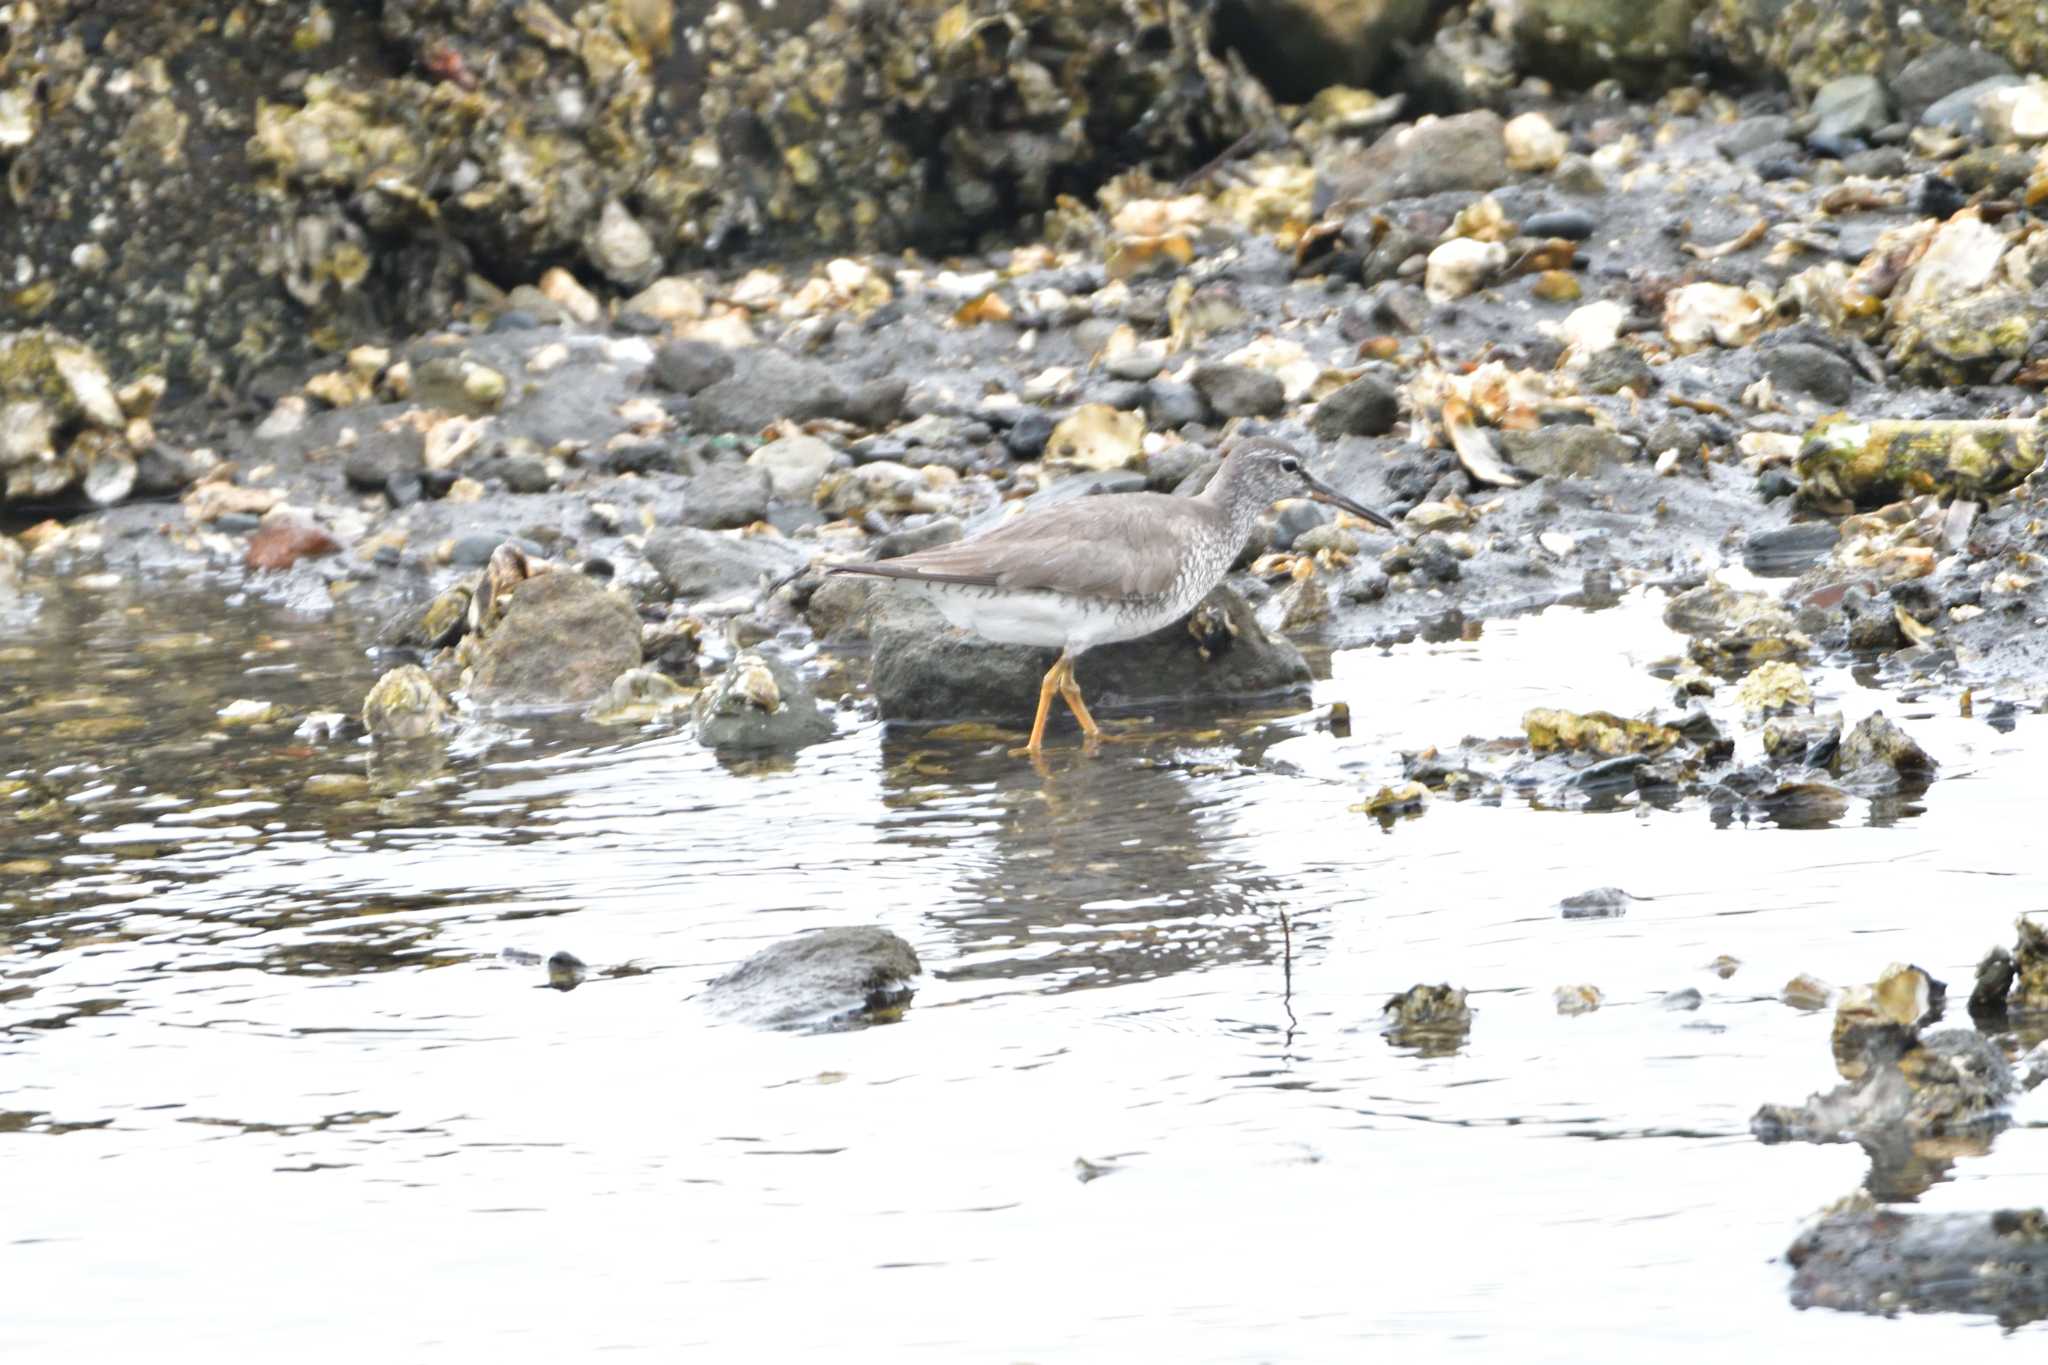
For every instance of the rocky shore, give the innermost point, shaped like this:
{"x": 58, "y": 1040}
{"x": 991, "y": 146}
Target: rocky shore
{"x": 558, "y": 350}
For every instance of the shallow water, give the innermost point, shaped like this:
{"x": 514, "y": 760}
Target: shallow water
{"x": 268, "y": 1085}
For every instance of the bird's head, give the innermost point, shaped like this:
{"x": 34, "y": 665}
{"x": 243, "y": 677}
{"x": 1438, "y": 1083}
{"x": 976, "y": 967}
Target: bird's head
{"x": 1273, "y": 470}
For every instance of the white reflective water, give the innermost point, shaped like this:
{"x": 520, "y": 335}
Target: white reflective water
{"x": 267, "y": 1087}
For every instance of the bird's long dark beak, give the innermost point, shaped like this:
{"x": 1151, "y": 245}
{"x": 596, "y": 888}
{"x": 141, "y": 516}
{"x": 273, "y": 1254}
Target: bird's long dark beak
{"x": 1322, "y": 492}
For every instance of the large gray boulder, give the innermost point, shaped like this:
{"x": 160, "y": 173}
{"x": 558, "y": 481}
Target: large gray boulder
{"x": 928, "y": 671}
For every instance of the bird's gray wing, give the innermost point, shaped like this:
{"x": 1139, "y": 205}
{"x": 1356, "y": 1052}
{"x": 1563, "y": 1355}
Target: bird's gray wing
{"x": 1114, "y": 546}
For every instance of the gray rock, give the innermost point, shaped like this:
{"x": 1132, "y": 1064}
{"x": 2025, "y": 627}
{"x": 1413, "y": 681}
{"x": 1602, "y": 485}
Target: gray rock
{"x": 726, "y": 496}
{"x": 698, "y": 564}
{"x": 1941, "y": 72}
{"x": 473, "y": 551}
{"x": 878, "y": 403}
{"x": 690, "y": 367}
{"x": 838, "y": 609}
{"x": 794, "y": 465}
{"x": 1753, "y": 135}
{"x": 1616, "y": 368}
{"x": 820, "y": 979}
{"x": 1565, "y": 451}
{"x": 1240, "y": 390}
{"x": 1364, "y": 407}
{"x": 759, "y": 703}
{"x": 926, "y": 671}
{"x": 765, "y": 386}
{"x": 1171, "y": 405}
{"x": 1802, "y": 367}
{"x": 1462, "y": 152}
{"x": 1850, "y": 106}
{"x": 1875, "y": 739}
{"x": 563, "y": 639}
{"x": 1957, "y": 110}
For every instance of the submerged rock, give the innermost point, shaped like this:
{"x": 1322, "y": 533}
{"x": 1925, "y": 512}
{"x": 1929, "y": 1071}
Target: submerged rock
{"x": 1881, "y": 1261}
{"x": 1433, "y": 1019}
{"x": 404, "y": 704}
{"x": 823, "y": 979}
{"x": 760, "y": 703}
{"x": 924, "y": 670}
{"x": 564, "y": 638}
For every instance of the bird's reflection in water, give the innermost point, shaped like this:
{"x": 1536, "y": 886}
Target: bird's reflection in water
{"x": 1098, "y": 871}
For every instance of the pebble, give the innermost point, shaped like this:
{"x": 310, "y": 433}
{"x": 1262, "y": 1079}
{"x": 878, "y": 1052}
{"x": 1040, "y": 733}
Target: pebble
{"x": 1574, "y": 225}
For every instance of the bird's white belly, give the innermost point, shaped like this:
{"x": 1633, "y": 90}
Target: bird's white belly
{"x": 1048, "y": 620}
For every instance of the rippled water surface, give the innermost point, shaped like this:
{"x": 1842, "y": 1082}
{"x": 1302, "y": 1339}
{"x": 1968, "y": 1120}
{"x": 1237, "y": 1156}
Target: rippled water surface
{"x": 268, "y": 1085}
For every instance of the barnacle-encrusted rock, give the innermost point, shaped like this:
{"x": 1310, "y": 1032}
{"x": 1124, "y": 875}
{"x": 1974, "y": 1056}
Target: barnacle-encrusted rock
{"x": 404, "y": 704}
{"x": 373, "y": 160}
{"x": 1810, "y": 42}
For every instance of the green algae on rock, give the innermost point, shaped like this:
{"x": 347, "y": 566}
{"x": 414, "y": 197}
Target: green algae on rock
{"x": 1847, "y": 463}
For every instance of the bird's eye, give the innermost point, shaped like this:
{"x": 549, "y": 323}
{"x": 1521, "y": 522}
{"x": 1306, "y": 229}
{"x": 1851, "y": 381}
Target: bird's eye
{"x": 1291, "y": 466}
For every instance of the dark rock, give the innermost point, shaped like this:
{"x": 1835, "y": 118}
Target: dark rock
{"x": 1461, "y": 152}
{"x": 1124, "y": 395}
{"x": 1171, "y": 405}
{"x": 647, "y": 457}
{"x": 1433, "y": 558}
{"x": 690, "y": 367}
{"x": 1937, "y": 196}
{"x": 1803, "y": 367}
{"x": 1574, "y": 225}
{"x": 1616, "y": 368}
{"x": 1882, "y": 1261}
{"x": 1026, "y": 438}
{"x": 1787, "y": 551}
{"x": 820, "y": 979}
{"x": 1365, "y": 407}
{"x": 726, "y": 496}
{"x": 925, "y": 671}
{"x": 1565, "y": 451}
{"x": 434, "y": 483}
{"x": 1604, "y": 902}
{"x": 563, "y": 639}
{"x": 526, "y": 474}
{"x": 759, "y": 703}
{"x": 698, "y": 564}
{"x": 512, "y": 320}
{"x": 1240, "y": 390}
{"x": 1296, "y": 47}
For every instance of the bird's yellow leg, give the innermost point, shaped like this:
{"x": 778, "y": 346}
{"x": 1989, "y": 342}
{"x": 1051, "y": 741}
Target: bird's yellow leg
{"x": 1045, "y": 690}
{"x": 1070, "y": 692}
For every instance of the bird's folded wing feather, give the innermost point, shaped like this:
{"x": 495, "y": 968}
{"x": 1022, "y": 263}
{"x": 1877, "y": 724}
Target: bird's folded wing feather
{"x": 1118, "y": 546}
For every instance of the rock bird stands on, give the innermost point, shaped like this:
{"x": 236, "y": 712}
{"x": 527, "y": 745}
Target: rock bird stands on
{"x": 1102, "y": 569}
